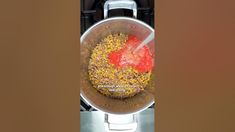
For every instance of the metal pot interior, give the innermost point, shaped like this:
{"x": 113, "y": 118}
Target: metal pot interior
{"x": 89, "y": 40}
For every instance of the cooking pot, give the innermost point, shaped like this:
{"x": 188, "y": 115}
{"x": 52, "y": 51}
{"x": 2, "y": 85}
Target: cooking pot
{"x": 115, "y": 108}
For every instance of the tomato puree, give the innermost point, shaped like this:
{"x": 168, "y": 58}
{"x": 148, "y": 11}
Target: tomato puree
{"x": 141, "y": 60}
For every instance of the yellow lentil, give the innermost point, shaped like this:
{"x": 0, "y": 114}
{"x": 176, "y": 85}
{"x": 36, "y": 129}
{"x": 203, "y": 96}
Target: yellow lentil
{"x": 111, "y": 81}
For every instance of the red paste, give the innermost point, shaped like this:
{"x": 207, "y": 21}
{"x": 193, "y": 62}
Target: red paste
{"x": 141, "y": 60}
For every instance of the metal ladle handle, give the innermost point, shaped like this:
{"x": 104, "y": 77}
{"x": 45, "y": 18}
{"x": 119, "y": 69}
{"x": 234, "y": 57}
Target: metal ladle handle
{"x": 120, "y": 4}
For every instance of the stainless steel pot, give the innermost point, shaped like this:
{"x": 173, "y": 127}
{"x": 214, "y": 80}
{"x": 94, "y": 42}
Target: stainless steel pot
{"x": 90, "y": 38}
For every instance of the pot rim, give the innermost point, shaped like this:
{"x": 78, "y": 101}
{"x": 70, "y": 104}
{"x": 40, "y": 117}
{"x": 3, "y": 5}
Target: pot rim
{"x": 114, "y": 18}
{"x": 82, "y": 38}
{"x": 151, "y": 103}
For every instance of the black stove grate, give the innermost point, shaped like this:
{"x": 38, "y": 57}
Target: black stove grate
{"x": 92, "y": 12}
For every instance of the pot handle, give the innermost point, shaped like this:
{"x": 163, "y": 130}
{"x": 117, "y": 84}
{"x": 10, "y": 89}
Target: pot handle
{"x": 120, "y": 123}
{"x": 120, "y": 4}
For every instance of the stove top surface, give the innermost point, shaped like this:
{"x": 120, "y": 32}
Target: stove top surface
{"x": 92, "y": 12}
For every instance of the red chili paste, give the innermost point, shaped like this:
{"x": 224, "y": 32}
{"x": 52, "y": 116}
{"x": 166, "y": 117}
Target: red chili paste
{"x": 141, "y": 60}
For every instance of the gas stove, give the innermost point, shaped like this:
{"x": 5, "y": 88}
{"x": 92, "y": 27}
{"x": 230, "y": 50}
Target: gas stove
{"x": 92, "y": 12}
